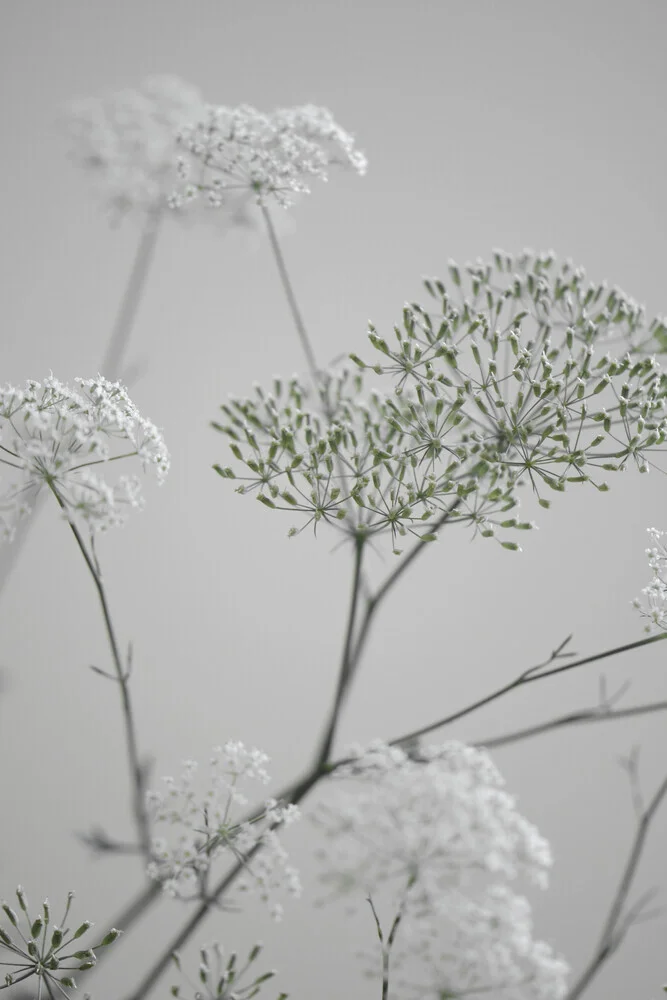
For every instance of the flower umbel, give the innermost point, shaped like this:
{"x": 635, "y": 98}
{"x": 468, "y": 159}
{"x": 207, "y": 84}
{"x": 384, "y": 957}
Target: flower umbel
{"x": 272, "y": 155}
{"x": 498, "y": 388}
{"x": 52, "y": 435}
{"x": 223, "y": 980}
{"x": 44, "y": 949}
{"x": 207, "y": 827}
{"x": 438, "y": 835}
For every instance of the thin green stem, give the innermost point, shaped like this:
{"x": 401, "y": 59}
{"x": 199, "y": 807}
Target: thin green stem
{"x": 527, "y": 677}
{"x": 373, "y": 602}
{"x": 291, "y": 298}
{"x": 345, "y": 672}
{"x": 136, "y": 769}
{"x": 572, "y": 719}
{"x": 612, "y": 934}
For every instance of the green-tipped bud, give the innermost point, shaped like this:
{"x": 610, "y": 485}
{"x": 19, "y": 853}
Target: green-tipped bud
{"x": 81, "y": 930}
{"x": 109, "y": 938}
{"x": 254, "y": 953}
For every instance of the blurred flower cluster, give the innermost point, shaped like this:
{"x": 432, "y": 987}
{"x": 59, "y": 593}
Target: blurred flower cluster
{"x": 654, "y": 606}
{"x": 51, "y": 435}
{"x": 223, "y": 980}
{"x": 207, "y": 827}
{"x": 44, "y": 949}
{"x": 503, "y": 384}
{"x": 437, "y": 838}
{"x": 271, "y": 155}
{"x": 126, "y": 140}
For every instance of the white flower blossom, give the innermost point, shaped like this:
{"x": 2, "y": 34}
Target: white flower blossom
{"x": 269, "y": 154}
{"x": 207, "y": 826}
{"x": 126, "y": 142}
{"x": 438, "y": 834}
{"x": 654, "y": 607}
{"x": 51, "y": 435}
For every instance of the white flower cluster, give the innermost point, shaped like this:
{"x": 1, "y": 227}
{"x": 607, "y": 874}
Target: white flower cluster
{"x": 207, "y": 827}
{"x": 440, "y": 834}
{"x": 655, "y": 606}
{"x": 127, "y": 140}
{"x": 270, "y": 154}
{"x": 51, "y": 435}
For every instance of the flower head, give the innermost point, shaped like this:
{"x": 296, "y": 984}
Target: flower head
{"x": 269, "y": 154}
{"x": 439, "y": 835}
{"x": 503, "y": 384}
{"x": 46, "y": 950}
{"x": 207, "y": 826}
{"x": 54, "y": 436}
{"x": 654, "y": 607}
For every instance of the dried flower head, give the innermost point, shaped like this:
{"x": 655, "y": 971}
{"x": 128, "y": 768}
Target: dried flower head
{"x": 126, "y": 142}
{"x": 220, "y": 979}
{"x": 207, "y": 826}
{"x": 437, "y": 834}
{"x": 654, "y": 606}
{"x": 52, "y": 435}
{"x": 271, "y": 155}
{"x": 503, "y": 385}
{"x": 46, "y": 950}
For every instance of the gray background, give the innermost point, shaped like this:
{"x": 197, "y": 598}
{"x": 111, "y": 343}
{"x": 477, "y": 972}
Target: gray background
{"x": 491, "y": 124}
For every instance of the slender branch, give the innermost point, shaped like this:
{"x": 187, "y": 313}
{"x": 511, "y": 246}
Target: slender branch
{"x": 527, "y": 677}
{"x": 296, "y": 791}
{"x": 345, "y": 672}
{"x": 110, "y": 368}
{"x": 384, "y": 951}
{"x": 572, "y": 719}
{"x": 291, "y": 298}
{"x": 615, "y": 929}
{"x": 136, "y": 768}
{"x": 129, "y": 307}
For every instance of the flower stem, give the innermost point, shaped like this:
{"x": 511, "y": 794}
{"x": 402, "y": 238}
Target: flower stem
{"x": 112, "y": 363}
{"x": 291, "y": 298}
{"x": 136, "y": 767}
{"x": 527, "y": 677}
{"x": 614, "y": 929}
{"x": 345, "y": 673}
{"x": 294, "y": 792}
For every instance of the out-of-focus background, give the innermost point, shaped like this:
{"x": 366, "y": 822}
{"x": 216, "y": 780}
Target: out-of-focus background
{"x": 485, "y": 125}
